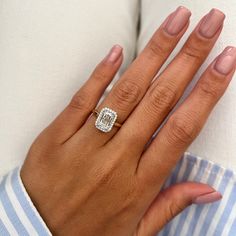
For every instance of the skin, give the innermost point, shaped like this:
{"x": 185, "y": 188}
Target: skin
{"x": 86, "y": 182}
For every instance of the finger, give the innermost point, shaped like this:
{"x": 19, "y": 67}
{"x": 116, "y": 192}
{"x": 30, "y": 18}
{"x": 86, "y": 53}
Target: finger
{"x": 185, "y": 123}
{"x": 172, "y": 201}
{"x": 170, "y": 85}
{"x": 129, "y": 90}
{"x": 85, "y": 100}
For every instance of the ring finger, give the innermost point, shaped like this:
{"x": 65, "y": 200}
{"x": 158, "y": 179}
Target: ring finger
{"x": 132, "y": 86}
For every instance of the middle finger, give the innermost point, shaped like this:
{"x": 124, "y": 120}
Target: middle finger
{"x": 131, "y": 87}
{"x": 167, "y": 89}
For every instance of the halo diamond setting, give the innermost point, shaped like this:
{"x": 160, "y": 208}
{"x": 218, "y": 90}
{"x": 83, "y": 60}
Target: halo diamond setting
{"x": 106, "y": 120}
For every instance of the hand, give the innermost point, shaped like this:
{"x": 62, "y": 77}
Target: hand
{"x": 87, "y": 182}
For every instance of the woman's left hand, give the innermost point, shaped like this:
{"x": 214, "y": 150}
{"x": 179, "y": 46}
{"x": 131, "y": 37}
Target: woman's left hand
{"x": 86, "y": 182}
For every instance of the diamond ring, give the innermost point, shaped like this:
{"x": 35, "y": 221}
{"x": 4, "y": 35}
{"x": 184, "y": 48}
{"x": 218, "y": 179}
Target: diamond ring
{"x": 106, "y": 119}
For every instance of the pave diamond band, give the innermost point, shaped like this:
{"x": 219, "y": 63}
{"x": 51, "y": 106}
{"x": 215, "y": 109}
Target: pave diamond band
{"x": 106, "y": 119}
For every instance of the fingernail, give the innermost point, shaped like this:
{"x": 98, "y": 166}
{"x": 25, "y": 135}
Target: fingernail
{"x": 114, "y": 54}
{"x": 211, "y": 23}
{"x": 208, "y": 198}
{"x": 178, "y": 21}
{"x": 226, "y": 62}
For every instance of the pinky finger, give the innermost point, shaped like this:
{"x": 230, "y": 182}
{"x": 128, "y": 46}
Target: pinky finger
{"x": 85, "y": 100}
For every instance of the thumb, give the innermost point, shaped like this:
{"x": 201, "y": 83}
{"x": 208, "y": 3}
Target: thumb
{"x": 171, "y": 201}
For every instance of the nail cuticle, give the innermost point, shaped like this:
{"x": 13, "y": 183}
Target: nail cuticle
{"x": 226, "y": 61}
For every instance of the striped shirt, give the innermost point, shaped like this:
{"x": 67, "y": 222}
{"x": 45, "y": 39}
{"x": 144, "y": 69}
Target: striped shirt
{"x": 215, "y": 219}
{"x": 18, "y": 215}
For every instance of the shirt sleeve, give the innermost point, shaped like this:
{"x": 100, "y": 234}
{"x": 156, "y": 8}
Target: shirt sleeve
{"x": 18, "y": 215}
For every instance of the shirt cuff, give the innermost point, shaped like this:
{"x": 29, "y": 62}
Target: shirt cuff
{"x": 18, "y": 215}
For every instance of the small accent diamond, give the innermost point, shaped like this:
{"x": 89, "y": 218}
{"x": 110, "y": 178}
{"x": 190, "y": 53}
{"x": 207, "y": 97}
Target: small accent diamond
{"x": 106, "y": 119}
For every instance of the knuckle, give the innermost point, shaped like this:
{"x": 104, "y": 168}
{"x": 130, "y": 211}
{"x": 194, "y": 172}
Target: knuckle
{"x": 208, "y": 88}
{"x": 126, "y": 93}
{"x": 158, "y": 49}
{"x": 162, "y": 97}
{"x": 182, "y": 129}
{"x": 80, "y": 101}
{"x": 193, "y": 51}
{"x": 100, "y": 73}
{"x": 172, "y": 207}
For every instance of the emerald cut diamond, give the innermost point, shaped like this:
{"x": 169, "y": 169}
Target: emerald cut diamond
{"x": 106, "y": 119}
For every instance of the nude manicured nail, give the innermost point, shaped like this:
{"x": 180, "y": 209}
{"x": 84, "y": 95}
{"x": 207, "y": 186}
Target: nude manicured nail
{"x": 114, "y": 54}
{"x": 208, "y": 198}
{"x": 211, "y": 23}
{"x": 178, "y": 21}
{"x": 226, "y": 62}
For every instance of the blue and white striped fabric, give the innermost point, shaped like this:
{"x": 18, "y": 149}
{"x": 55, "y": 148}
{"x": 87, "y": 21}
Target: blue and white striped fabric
{"x": 18, "y": 216}
{"x": 215, "y": 219}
